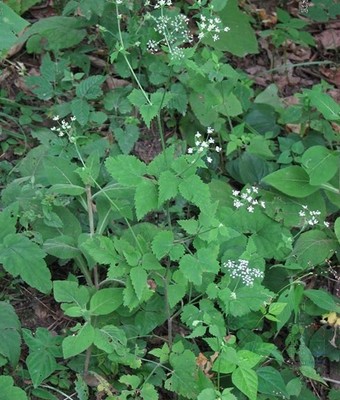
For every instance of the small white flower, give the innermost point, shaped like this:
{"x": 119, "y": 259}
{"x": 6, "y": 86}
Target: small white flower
{"x": 198, "y": 135}
{"x": 204, "y": 144}
{"x": 302, "y": 213}
{"x": 73, "y": 118}
{"x": 197, "y": 143}
{"x": 209, "y": 160}
{"x": 326, "y": 224}
{"x": 56, "y": 118}
{"x": 250, "y": 209}
{"x": 210, "y": 130}
{"x": 262, "y": 204}
{"x": 226, "y": 29}
{"x": 238, "y": 203}
{"x": 215, "y": 37}
{"x": 235, "y": 192}
{"x": 53, "y": 128}
{"x": 190, "y": 150}
{"x": 218, "y": 149}
{"x": 211, "y": 141}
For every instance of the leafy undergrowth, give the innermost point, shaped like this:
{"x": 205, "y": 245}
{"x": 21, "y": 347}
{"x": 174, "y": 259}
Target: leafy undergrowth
{"x": 170, "y": 200}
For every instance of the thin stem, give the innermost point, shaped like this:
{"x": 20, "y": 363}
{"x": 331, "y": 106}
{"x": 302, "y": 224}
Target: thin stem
{"x": 87, "y": 359}
{"x": 58, "y": 391}
{"x": 91, "y": 224}
{"x": 85, "y": 271}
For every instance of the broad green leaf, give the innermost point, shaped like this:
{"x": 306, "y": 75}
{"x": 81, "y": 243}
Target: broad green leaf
{"x": 54, "y": 33}
{"x": 293, "y": 181}
{"x": 168, "y": 186}
{"x": 162, "y": 244}
{"x": 137, "y": 98}
{"x": 127, "y": 170}
{"x": 337, "y": 228}
{"x": 101, "y": 249}
{"x": 10, "y": 25}
{"x": 79, "y": 342}
{"x": 245, "y": 379}
{"x": 127, "y": 138}
{"x": 22, "y": 257}
{"x": 20, "y": 6}
{"x": 60, "y": 171}
{"x": 146, "y": 198}
{"x": 90, "y": 88}
{"x": 10, "y": 392}
{"x": 320, "y": 164}
{"x": 67, "y": 188}
{"x": 138, "y": 278}
{"x": 81, "y": 388}
{"x": 106, "y": 300}
{"x": 183, "y": 380}
{"x": 194, "y": 190}
{"x": 7, "y": 223}
{"x": 271, "y": 381}
{"x": 241, "y": 39}
{"x": 189, "y": 225}
{"x": 310, "y": 373}
{"x": 43, "y": 340}
{"x": 40, "y": 364}
{"x": 325, "y": 104}
{"x": 69, "y": 292}
{"x": 322, "y": 299}
{"x": 313, "y": 248}
{"x": 110, "y": 338}
{"x": 148, "y": 392}
{"x": 62, "y": 247}
{"x": 9, "y": 333}
{"x": 81, "y": 110}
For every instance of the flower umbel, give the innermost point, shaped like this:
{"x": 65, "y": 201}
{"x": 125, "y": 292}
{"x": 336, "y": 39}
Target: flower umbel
{"x": 248, "y": 198}
{"x": 240, "y": 269}
{"x": 204, "y": 146}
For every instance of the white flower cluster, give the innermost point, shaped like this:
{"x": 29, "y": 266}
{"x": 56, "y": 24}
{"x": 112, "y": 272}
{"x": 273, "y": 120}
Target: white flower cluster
{"x": 240, "y": 269}
{"x": 248, "y": 199}
{"x": 204, "y": 145}
{"x": 211, "y": 26}
{"x": 64, "y": 127}
{"x": 310, "y": 217}
{"x": 175, "y": 31}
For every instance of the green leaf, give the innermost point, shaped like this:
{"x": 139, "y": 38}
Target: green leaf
{"x": 10, "y": 392}
{"x": 127, "y": 138}
{"x": 321, "y": 299}
{"x": 148, "y": 392}
{"x": 81, "y": 110}
{"x": 337, "y": 228}
{"x": 10, "y": 25}
{"x": 62, "y": 247}
{"x": 110, "y": 339}
{"x": 137, "y": 98}
{"x": 127, "y": 170}
{"x": 162, "y": 244}
{"x": 7, "y": 223}
{"x": 69, "y": 292}
{"x": 310, "y": 373}
{"x": 245, "y": 379}
{"x": 293, "y": 181}
{"x": 194, "y": 190}
{"x": 79, "y": 342}
{"x": 312, "y": 248}
{"x": 81, "y": 388}
{"x": 320, "y": 164}
{"x": 146, "y": 198}
{"x": 106, "y": 300}
{"x": 101, "y": 249}
{"x": 241, "y": 39}
{"x": 40, "y": 364}
{"x": 183, "y": 380}
{"x": 21, "y": 256}
{"x": 168, "y": 186}
{"x": 67, "y": 188}
{"x": 271, "y": 381}
{"x": 55, "y": 33}
{"x": 325, "y": 104}
{"x": 138, "y": 278}
{"x": 89, "y": 88}
{"x": 9, "y": 336}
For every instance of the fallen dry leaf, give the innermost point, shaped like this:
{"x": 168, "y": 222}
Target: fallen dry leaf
{"x": 329, "y": 39}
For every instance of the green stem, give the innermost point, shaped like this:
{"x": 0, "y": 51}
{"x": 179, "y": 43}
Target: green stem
{"x": 85, "y": 271}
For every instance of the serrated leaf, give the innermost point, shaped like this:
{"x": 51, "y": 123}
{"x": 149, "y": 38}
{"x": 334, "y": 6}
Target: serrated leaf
{"x": 81, "y": 110}
{"x": 127, "y": 170}
{"x": 62, "y": 247}
{"x": 89, "y": 88}
{"x": 104, "y": 301}
{"x": 148, "y": 392}
{"x": 196, "y": 191}
{"x": 40, "y": 364}
{"x": 245, "y": 379}
{"x": 137, "y": 98}
{"x": 101, "y": 249}
{"x": 146, "y": 198}
{"x": 293, "y": 181}
{"x": 69, "y": 292}
{"x": 79, "y": 342}
{"x": 168, "y": 186}
{"x": 189, "y": 225}
{"x": 138, "y": 278}
{"x": 22, "y": 257}
{"x": 110, "y": 338}
{"x": 127, "y": 138}
{"x": 162, "y": 244}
